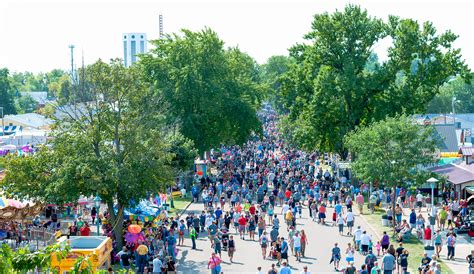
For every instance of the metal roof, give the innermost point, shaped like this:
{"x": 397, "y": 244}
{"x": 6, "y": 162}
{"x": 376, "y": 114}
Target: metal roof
{"x": 455, "y": 174}
{"x": 449, "y": 140}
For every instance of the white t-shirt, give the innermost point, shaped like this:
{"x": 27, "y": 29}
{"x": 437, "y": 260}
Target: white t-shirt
{"x": 350, "y": 216}
{"x": 157, "y": 264}
{"x": 285, "y": 209}
{"x": 296, "y": 241}
{"x": 419, "y": 197}
{"x": 305, "y": 272}
{"x": 365, "y": 239}
{"x": 358, "y": 234}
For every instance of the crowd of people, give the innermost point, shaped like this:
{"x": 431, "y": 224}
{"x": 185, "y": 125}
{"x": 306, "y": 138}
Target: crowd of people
{"x": 247, "y": 186}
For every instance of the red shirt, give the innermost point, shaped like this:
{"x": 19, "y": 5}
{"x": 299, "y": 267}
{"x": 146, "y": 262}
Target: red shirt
{"x": 85, "y": 231}
{"x": 242, "y": 220}
{"x": 427, "y": 233}
{"x": 252, "y": 209}
{"x": 288, "y": 194}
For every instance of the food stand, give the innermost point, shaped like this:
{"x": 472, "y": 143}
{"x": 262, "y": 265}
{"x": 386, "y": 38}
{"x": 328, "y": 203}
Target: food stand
{"x": 98, "y": 248}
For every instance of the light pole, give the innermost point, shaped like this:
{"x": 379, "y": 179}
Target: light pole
{"x": 97, "y": 201}
{"x": 453, "y": 101}
{"x": 432, "y": 181}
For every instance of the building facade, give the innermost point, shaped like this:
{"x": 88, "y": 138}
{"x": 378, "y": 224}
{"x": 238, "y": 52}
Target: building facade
{"x": 133, "y": 44}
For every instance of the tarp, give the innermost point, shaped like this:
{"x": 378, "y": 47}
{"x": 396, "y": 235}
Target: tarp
{"x": 142, "y": 210}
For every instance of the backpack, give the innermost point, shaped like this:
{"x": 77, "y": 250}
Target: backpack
{"x": 264, "y": 240}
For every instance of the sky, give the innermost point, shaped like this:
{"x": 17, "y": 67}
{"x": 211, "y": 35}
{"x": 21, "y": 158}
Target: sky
{"x": 35, "y": 34}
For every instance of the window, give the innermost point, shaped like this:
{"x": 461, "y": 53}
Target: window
{"x": 125, "y": 52}
{"x": 142, "y": 46}
{"x": 141, "y": 36}
{"x": 133, "y": 36}
{"x": 133, "y": 47}
{"x": 125, "y": 37}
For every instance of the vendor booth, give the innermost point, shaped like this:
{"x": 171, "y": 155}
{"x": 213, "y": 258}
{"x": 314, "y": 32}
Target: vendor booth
{"x": 98, "y": 248}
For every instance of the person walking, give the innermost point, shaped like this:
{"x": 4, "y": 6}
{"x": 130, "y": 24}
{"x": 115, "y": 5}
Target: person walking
{"x": 214, "y": 264}
{"x": 438, "y": 241}
{"x": 388, "y": 263}
{"x": 193, "y": 236}
{"x": 264, "y": 244}
{"x": 284, "y": 250}
{"x": 451, "y": 242}
{"x": 403, "y": 262}
{"x": 385, "y": 241}
{"x": 297, "y": 246}
{"x": 304, "y": 242}
{"x": 335, "y": 256}
{"x": 231, "y": 248}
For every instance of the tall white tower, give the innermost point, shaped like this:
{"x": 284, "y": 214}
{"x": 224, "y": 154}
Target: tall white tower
{"x": 133, "y": 44}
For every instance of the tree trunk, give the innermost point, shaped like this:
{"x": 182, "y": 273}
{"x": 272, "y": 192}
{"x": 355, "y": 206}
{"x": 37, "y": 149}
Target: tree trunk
{"x": 116, "y": 222}
{"x": 393, "y": 206}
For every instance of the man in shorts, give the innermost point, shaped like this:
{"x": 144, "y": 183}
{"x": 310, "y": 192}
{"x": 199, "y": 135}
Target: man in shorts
{"x": 284, "y": 250}
{"x": 419, "y": 201}
{"x": 349, "y": 221}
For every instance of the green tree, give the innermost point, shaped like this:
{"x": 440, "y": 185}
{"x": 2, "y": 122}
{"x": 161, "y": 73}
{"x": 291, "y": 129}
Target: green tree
{"x": 338, "y": 85}
{"x": 272, "y": 71}
{"x": 456, "y": 88}
{"x": 23, "y": 260}
{"x": 26, "y": 104}
{"x": 115, "y": 146}
{"x": 391, "y": 151}
{"x": 61, "y": 89}
{"x": 212, "y": 93}
{"x": 6, "y": 98}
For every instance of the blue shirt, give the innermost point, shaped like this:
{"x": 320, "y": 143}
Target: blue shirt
{"x": 338, "y": 208}
{"x": 284, "y": 247}
{"x": 285, "y": 270}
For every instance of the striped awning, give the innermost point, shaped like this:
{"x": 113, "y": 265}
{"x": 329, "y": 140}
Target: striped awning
{"x": 466, "y": 151}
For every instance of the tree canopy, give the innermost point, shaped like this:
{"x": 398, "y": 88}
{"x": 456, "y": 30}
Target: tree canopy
{"x": 458, "y": 90}
{"x": 212, "y": 93}
{"x": 113, "y": 146}
{"x": 6, "y": 98}
{"x": 272, "y": 72}
{"x": 337, "y": 85}
{"x": 391, "y": 151}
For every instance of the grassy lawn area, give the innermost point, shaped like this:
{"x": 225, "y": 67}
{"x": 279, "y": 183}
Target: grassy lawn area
{"x": 179, "y": 204}
{"x": 413, "y": 245}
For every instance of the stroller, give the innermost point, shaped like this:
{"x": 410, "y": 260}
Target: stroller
{"x": 225, "y": 238}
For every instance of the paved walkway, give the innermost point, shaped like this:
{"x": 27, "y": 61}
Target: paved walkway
{"x": 248, "y": 253}
{"x": 464, "y": 245}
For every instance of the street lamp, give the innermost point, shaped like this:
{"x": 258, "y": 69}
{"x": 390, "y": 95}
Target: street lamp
{"x": 432, "y": 181}
{"x": 97, "y": 201}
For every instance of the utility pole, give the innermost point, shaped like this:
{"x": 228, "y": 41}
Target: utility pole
{"x": 72, "y": 62}
{"x": 161, "y": 25}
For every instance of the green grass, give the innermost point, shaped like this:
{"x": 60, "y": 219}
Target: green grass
{"x": 413, "y": 245}
{"x": 179, "y": 204}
